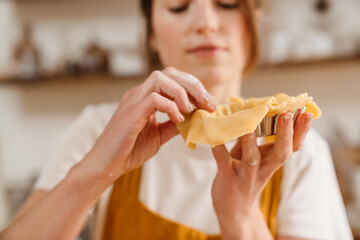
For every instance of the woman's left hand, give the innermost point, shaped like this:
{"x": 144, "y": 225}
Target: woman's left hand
{"x": 244, "y": 172}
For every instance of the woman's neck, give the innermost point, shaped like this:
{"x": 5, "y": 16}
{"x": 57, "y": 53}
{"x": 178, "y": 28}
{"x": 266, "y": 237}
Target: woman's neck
{"x": 222, "y": 92}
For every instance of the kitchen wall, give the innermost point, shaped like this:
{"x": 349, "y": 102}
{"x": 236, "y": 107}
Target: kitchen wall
{"x": 64, "y": 28}
{"x": 300, "y": 30}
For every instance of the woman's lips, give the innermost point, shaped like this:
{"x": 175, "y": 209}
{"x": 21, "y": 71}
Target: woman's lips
{"x": 206, "y": 50}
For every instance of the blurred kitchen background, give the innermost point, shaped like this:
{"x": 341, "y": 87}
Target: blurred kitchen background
{"x": 58, "y": 56}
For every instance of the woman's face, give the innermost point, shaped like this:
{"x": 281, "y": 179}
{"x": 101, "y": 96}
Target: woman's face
{"x": 203, "y": 37}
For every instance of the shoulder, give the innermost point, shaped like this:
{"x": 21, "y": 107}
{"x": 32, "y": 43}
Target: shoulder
{"x": 98, "y": 112}
{"x": 314, "y": 144}
{"x": 309, "y": 167}
{"x": 86, "y": 128}
{"x": 77, "y": 140}
{"x": 311, "y": 205}
{"x": 92, "y": 120}
{"x": 315, "y": 153}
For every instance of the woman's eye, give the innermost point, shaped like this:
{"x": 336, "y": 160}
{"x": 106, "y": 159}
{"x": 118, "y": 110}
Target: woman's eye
{"x": 178, "y": 9}
{"x": 229, "y": 5}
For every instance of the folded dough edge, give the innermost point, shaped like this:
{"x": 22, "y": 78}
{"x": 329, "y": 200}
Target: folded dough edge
{"x": 240, "y": 117}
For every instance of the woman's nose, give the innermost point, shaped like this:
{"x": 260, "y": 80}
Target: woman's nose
{"x": 206, "y": 20}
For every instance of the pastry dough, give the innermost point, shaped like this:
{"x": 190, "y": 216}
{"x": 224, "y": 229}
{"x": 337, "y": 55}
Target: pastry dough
{"x": 238, "y": 118}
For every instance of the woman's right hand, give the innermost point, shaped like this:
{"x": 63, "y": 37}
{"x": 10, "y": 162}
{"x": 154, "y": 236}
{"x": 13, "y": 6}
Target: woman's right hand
{"x": 130, "y": 138}
{"x": 133, "y": 135}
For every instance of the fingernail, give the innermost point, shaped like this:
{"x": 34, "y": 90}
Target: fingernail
{"x": 190, "y": 107}
{"x": 181, "y": 117}
{"x": 212, "y": 106}
{"x": 287, "y": 118}
{"x": 308, "y": 118}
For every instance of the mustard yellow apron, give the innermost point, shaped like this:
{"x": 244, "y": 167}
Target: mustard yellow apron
{"x": 128, "y": 219}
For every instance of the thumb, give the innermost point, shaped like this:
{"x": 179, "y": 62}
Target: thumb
{"x": 222, "y": 156}
{"x": 167, "y": 131}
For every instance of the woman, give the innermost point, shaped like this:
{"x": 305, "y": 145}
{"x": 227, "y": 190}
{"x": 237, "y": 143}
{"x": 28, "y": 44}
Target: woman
{"x": 205, "y": 46}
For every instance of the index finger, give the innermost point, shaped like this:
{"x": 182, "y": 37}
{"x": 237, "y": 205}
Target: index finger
{"x": 222, "y": 156}
{"x": 283, "y": 146}
{"x": 193, "y": 86}
{"x": 302, "y": 127}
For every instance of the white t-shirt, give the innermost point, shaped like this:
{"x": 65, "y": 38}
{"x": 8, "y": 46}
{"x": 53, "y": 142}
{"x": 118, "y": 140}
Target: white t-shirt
{"x": 176, "y": 182}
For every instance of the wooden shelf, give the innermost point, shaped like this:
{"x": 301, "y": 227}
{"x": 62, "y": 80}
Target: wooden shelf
{"x": 68, "y": 79}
